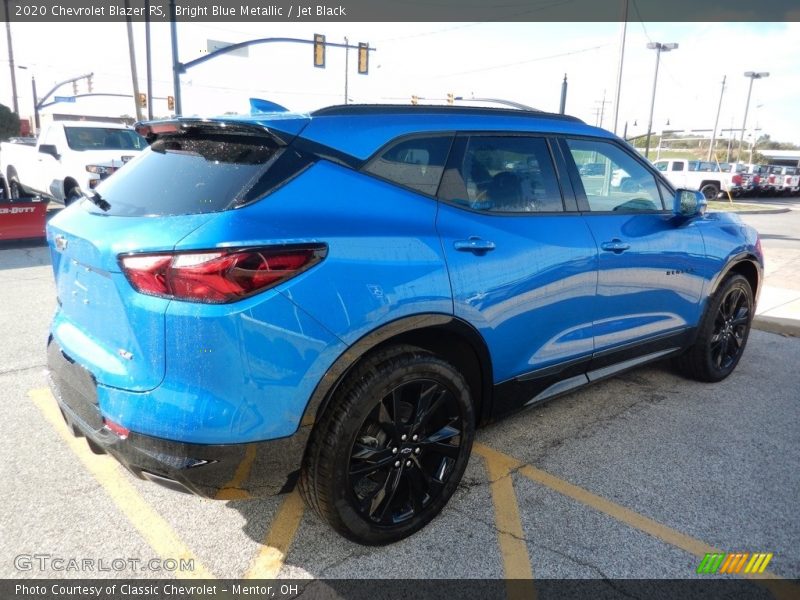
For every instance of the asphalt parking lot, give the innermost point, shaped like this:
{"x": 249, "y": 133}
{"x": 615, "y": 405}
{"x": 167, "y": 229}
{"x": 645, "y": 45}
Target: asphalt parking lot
{"x": 636, "y": 477}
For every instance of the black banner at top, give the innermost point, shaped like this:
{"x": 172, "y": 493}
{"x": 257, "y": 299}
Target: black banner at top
{"x": 401, "y": 10}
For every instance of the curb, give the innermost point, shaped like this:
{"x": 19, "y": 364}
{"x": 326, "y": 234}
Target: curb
{"x": 763, "y": 211}
{"x": 779, "y": 325}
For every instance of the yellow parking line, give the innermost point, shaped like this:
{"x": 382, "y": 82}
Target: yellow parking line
{"x": 152, "y": 527}
{"x": 233, "y": 489}
{"x": 510, "y": 535}
{"x": 269, "y": 561}
{"x": 780, "y": 588}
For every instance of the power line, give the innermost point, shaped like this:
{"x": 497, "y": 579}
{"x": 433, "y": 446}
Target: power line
{"x": 523, "y": 62}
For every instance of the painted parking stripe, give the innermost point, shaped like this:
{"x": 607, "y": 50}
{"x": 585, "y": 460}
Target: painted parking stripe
{"x": 152, "y": 527}
{"x": 779, "y": 587}
{"x": 510, "y": 535}
{"x": 269, "y": 560}
{"x": 233, "y": 489}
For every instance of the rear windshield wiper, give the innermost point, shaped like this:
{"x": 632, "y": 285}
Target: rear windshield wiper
{"x": 98, "y": 201}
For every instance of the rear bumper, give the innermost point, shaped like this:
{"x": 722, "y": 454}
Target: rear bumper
{"x": 222, "y": 471}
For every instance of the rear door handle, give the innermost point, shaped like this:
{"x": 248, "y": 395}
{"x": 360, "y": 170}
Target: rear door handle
{"x": 474, "y": 244}
{"x": 616, "y": 246}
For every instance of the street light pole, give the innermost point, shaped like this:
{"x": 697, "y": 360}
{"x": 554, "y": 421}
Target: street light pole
{"x": 14, "y": 100}
{"x": 753, "y": 76}
{"x": 659, "y": 48}
{"x": 35, "y": 105}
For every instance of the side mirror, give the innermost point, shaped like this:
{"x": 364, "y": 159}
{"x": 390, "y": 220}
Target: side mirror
{"x": 49, "y": 149}
{"x": 689, "y": 203}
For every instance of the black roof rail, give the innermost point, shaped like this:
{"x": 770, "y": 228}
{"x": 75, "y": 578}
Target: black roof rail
{"x": 404, "y": 109}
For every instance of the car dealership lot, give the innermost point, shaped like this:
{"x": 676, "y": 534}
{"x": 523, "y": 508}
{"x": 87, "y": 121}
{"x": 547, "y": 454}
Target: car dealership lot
{"x": 637, "y": 476}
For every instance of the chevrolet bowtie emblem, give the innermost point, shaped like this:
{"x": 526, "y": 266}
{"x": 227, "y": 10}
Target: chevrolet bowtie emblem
{"x": 61, "y": 243}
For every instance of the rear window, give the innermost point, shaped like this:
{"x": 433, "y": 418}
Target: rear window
{"x": 187, "y": 174}
{"x": 103, "y": 138}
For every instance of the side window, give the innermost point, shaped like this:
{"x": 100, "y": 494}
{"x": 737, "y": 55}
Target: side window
{"x": 677, "y": 166}
{"x": 416, "y": 163}
{"x": 662, "y": 165}
{"x": 504, "y": 174}
{"x": 625, "y": 184}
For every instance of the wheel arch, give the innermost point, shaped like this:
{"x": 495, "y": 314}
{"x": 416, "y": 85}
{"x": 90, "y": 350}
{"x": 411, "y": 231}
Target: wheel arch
{"x": 747, "y": 265}
{"x": 451, "y": 338}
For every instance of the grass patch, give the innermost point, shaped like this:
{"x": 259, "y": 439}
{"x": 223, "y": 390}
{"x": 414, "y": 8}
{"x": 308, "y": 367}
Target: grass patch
{"x": 724, "y": 205}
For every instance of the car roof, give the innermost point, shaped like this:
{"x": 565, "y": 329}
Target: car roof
{"x": 98, "y": 124}
{"x": 359, "y": 130}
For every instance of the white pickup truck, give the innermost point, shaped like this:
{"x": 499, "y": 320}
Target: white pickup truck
{"x": 69, "y": 158}
{"x": 697, "y": 175}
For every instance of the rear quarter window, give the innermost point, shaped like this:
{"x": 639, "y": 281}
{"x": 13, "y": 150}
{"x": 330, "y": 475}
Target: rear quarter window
{"x": 415, "y": 163}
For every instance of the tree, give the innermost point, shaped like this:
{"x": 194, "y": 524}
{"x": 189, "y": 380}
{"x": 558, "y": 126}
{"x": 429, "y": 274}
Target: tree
{"x": 9, "y": 123}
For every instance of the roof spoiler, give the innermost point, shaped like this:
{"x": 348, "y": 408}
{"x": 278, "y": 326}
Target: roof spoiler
{"x": 152, "y": 130}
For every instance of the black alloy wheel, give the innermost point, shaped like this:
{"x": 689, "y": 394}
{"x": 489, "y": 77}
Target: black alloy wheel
{"x": 722, "y": 332}
{"x": 405, "y": 452}
{"x": 730, "y": 328}
{"x": 391, "y": 447}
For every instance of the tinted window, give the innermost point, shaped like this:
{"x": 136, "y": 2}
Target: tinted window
{"x": 626, "y": 185}
{"x": 186, "y": 174}
{"x": 677, "y": 166}
{"x": 416, "y": 163}
{"x": 103, "y": 138}
{"x": 504, "y": 174}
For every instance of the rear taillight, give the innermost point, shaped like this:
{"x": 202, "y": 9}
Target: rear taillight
{"x": 771, "y": 179}
{"x": 737, "y": 179}
{"x": 758, "y": 247}
{"x": 218, "y": 276}
{"x": 756, "y": 179}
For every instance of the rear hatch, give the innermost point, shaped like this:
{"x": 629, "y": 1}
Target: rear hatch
{"x": 191, "y": 173}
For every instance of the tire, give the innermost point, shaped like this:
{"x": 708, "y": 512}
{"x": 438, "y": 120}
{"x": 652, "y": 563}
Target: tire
{"x": 73, "y": 194}
{"x": 723, "y": 332}
{"x": 710, "y": 191}
{"x": 14, "y": 188}
{"x": 365, "y": 471}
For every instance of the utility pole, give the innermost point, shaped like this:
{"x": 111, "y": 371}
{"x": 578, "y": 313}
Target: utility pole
{"x": 176, "y": 64}
{"x": 716, "y": 121}
{"x": 36, "y": 124}
{"x": 15, "y": 102}
{"x": 600, "y": 112}
{"x": 753, "y": 76}
{"x": 132, "y": 53}
{"x": 148, "y": 60}
{"x": 659, "y": 48}
{"x": 563, "y": 105}
{"x": 621, "y": 59}
{"x": 346, "y": 65}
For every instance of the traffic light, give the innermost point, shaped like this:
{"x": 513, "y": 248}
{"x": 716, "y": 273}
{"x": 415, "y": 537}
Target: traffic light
{"x": 170, "y": 102}
{"x": 363, "y": 58}
{"x": 89, "y": 83}
{"x": 414, "y": 99}
{"x": 319, "y": 50}
{"x": 451, "y": 99}
{"x": 143, "y": 100}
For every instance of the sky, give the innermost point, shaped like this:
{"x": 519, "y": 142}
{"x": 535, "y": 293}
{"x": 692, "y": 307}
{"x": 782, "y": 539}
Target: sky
{"x": 522, "y": 62}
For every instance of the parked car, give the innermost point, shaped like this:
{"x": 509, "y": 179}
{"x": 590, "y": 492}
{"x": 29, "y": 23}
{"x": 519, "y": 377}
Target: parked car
{"x": 697, "y": 175}
{"x": 784, "y": 180}
{"x": 68, "y": 159}
{"x": 338, "y": 299}
{"x": 592, "y": 169}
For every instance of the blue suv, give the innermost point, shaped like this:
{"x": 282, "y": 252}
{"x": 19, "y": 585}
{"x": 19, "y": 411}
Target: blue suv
{"x": 336, "y": 300}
